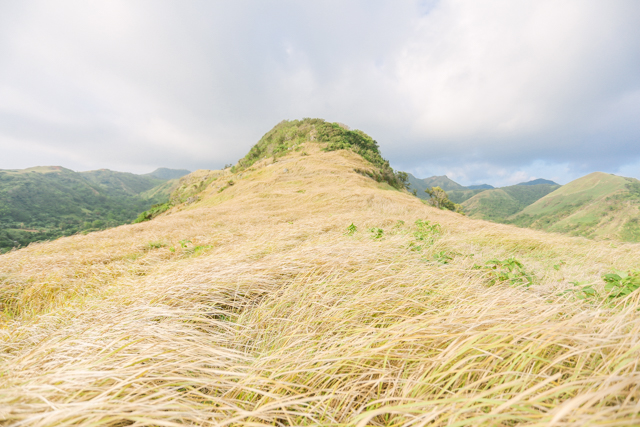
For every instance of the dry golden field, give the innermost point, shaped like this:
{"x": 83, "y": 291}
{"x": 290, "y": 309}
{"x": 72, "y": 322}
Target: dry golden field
{"x": 254, "y": 306}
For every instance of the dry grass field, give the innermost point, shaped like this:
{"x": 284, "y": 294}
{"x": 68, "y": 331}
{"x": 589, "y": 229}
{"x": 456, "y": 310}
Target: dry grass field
{"x": 254, "y": 306}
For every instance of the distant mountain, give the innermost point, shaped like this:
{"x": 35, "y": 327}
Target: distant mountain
{"x": 167, "y": 174}
{"x": 538, "y": 182}
{"x": 435, "y": 181}
{"x": 47, "y": 202}
{"x": 501, "y": 203}
{"x": 596, "y": 205}
{"x": 480, "y": 187}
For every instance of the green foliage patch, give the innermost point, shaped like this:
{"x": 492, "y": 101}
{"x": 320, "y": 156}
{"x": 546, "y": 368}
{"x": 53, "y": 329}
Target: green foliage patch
{"x": 376, "y": 232}
{"x": 509, "y": 271}
{"x": 153, "y": 212}
{"x": 351, "y": 230}
{"x": 425, "y": 235}
{"x": 621, "y": 283}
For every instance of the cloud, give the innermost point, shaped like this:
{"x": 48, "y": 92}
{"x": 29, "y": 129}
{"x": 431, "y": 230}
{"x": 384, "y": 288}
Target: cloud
{"x": 488, "y": 90}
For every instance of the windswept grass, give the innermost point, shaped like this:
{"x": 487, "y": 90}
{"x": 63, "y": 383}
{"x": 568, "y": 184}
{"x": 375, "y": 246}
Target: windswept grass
{"x": 288, "y": 315}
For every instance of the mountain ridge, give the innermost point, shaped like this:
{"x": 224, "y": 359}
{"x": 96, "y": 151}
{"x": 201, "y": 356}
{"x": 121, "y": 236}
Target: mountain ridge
{"x": 299, "y": 290}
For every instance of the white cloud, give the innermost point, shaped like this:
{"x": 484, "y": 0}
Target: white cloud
{"x": 488, "y": 90}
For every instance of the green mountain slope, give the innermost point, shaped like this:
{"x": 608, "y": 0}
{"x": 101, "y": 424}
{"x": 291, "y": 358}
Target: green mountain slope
{"x": 597, "y": 205}
{"x": 501, "y": 203}
{"x": 443, "y": 182}
{"x": 120, "y": 183}
{"x": 44, "y": 203}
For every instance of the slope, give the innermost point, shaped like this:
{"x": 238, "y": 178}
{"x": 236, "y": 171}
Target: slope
{"x": 44, "y": 203}
{"x": 597, "y": 205}
{"x": 501, "y": 203}
{"x": 443, "y": 182}
{"x": 259, "y": 304}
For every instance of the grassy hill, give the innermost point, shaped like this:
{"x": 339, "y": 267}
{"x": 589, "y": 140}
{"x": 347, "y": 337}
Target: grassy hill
{"x": 44, "y": 203}
{"x": 597, "y": 205}
{"x": 303, "y": 292}
{"x": 501, "y": 203}
{"x": 435, "y": 181}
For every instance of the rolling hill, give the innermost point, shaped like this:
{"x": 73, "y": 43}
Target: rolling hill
{"x": 302, "y": 288}
{"x": 597, "y": 205}
{"x": 501, "y": 203}
{"x": 44, "y": 203}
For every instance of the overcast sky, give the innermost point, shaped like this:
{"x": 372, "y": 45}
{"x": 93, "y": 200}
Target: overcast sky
{"x": 496, "y": 91}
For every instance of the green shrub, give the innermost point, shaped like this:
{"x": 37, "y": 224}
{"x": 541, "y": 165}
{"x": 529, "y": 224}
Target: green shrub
{"x": 620, "y": 283}
{"x": 510, "y": 271}
{"x": 153, "y": 212}
{"x": 425, "y": 235}
{"x": 351, "y": 230}
{"x": 376, "y": 232}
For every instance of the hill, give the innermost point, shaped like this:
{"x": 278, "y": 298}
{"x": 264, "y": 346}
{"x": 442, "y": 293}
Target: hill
{"x": 435, "y": 181}
{"x": 304, "y": 292}
{"x": 597, "y": 205}
{"x": 501, "y": 203}
{"x": 480, "y": 187}
{"x": 44, "y": 203}
{"x": 538, "y": 182}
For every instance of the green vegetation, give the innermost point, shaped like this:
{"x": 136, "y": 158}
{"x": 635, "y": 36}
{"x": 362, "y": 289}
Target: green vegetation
{"x": 376, "y": 232}
{"x": 155, "y": 210}
{"x": 425, "y": 235}
{"x": 444, "y": 182}
{"x": 45, "y": 203}
{"x": 500, "y": 204}
{"x": 439, "y": 199}
{"x": 292, "y": 134}
{"x": 460, "y": 196}
{"x": 598, "y": 205}
{"x": 509, "y": 271}
{"x": 620, "y": 283}
{"x": 351, "y": 230}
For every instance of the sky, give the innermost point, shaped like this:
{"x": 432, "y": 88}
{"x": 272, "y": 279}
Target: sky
{"x": 484, "y": 91}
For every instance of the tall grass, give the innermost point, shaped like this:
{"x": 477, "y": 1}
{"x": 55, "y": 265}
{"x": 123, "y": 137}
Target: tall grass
{"x": 286, "y": 319}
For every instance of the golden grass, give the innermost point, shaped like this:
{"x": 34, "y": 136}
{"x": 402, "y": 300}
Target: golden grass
{"x": 279, "y": 318}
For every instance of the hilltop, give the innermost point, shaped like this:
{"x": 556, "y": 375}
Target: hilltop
{"x": 539, "y": 181}
{"x": 303, "y": 288}
{"x": 44, "y": 203}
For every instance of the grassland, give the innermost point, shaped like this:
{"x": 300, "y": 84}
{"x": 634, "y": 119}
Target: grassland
{"x": 259, "y": 304}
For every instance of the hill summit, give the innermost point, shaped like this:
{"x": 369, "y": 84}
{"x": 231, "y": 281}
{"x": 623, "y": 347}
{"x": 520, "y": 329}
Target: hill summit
{"x": 297, "y": 289}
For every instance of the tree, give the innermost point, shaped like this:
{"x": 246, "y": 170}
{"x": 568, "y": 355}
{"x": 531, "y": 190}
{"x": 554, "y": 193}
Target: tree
{"x": 403, "y": 177}
{"x": 440, "y": 200}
